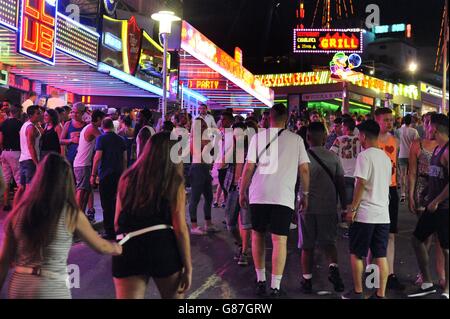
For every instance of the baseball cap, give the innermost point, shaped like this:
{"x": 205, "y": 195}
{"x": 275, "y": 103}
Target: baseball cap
{"x": 112, "y": 111}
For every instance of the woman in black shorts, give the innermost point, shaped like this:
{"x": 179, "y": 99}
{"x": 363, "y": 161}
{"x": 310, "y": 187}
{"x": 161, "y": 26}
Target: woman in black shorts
{"x": 151, "y": 194}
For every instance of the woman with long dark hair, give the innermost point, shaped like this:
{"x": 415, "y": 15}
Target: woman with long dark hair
{"x": 39, "y": 234}
{"x": 151, "y": 201}
{"x": 52, "y": 132}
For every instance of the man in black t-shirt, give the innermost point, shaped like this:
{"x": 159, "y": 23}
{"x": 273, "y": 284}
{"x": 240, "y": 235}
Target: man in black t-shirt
{"x": 110, "y": 161}
{"x": 10, "y": 145}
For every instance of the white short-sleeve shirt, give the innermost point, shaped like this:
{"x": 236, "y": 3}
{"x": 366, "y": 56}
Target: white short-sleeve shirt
{"x": 276, "y": 173}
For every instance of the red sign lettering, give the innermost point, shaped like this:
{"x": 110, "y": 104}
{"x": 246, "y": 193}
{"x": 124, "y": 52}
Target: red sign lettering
{"x": 38, "y": 30}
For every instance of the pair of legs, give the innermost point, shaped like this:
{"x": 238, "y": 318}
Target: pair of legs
{"x": 278, "y": 254}
{"x": 358, "y": 269}
{"x": 423, "y": 260}
{"x": 85, "y": 198}
{"x": 10, "y": 166}
{"x": 201, "y": 184}
{"x": 108, "y": 192}
{"x": 403, "y": 173}
{"x": 429, "y": 224}
{"x": 307, "y": 257}
{"x": 135, "y": 287}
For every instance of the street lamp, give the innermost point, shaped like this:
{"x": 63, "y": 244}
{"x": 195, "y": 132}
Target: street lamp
{"x": 165, "y": 19}
{"x": 412, "y": 67}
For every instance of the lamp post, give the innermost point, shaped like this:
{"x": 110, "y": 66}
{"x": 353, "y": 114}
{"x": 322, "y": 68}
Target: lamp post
{"x": 165, "y": 19}
{"x": 412, "y": 67}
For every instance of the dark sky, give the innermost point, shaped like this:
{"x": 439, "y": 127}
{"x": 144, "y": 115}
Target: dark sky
{"x": 246, "y": 23}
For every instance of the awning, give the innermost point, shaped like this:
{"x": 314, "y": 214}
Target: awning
{"x": 210, "y": 71}
{"x": 76, "y": 69}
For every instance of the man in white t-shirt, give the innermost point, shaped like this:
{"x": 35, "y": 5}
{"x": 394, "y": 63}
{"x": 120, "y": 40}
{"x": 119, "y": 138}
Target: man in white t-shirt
{"x": 406, "y": 135}
{"x": 275, "y": 158}
{"x": 208, "y": 118}
{"x": 55, "y": 101}
{"x": 32, "y": 98}
{"x": 369, "y": 212}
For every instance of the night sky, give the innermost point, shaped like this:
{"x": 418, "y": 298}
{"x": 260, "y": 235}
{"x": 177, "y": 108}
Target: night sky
{"x": 246, "y": 23}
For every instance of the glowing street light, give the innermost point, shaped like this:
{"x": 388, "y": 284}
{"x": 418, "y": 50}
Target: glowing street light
{"x": 165, "y": 19}
{"x": 413, "y": 67}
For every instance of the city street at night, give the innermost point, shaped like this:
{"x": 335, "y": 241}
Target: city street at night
{"x": 203, "y": 151}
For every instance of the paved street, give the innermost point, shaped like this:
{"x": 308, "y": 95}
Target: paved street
{"x": 216, "y": 275}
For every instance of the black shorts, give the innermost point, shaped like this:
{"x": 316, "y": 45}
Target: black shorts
{"x": 273, "y": 218}
{"x": 154, "y": 254}
{"x": 393, "y": 209}
{"x": 363, "y": 237}
{"x": 430, "y": 223}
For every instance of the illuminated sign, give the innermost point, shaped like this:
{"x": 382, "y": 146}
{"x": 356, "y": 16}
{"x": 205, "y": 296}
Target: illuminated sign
{"x": 204, "y": 50}
{"x": 77, "y": 40}
{"x": 322, "y": 96}
{"x": 324, "y": 77}
{"x": 150, "y": 67}
{"x": 389, "y": 28}
{"x": 37, "y": 34}
{"x": 19, "y": 83}
{"x": 133, "y": 36}
{"x": 5, "y": 50}
{"x": 208, "y": 84}
{"x": 295, "y": 79}
{"x": 328, "y": 40}
{"x": 238, "y": 55}
{"x": 8, "y": 13}
{"x": 110, "y": 6}
{"x": 112, "y": 42}
{"x": 432, "y": 90}
{"x": 4, "y": 76}
{"x": 342, "y": 67}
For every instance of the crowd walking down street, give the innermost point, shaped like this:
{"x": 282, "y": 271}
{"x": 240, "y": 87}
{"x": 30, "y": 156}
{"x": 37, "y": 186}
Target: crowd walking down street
{"x": 241, "y": 208}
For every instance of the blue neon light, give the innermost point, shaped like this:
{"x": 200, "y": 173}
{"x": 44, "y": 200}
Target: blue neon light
{"x": 194, "y": 95}
{"x": 112, "y": 42}
{"x": 102, "y": 67}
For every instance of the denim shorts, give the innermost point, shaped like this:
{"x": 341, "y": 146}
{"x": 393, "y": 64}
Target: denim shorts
{"x": 82, "y": 178}
{"x": 233, "y": 211}
{"x": 27, "y": 171}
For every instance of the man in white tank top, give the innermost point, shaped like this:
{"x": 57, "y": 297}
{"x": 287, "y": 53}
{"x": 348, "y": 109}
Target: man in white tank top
{"x": 83, "y": 160}
{"x": 30, "y": 135}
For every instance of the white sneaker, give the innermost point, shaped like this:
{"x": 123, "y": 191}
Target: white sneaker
{"x": 293, "y": 226}
{"x": 197, "y": 231}
{"x": 211, "y": 229}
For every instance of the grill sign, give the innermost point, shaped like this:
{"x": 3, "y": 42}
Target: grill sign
{"x": 327, "y": 41}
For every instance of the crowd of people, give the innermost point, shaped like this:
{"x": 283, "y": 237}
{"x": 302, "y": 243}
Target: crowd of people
{"x": 271, "y": 172}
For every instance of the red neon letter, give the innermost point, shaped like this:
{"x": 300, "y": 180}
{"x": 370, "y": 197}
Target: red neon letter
{"x": 46, "y": 42}
{"x": 44, "y": 17}
{"x": 30, "y": 43}
{"x": 31, "y": 11}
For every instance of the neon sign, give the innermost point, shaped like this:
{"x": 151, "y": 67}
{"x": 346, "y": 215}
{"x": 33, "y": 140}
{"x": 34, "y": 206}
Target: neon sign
{"x": 208, "y": 85}
{"x": 324, "y": 77}
{"x": 295, "y": 79}
{"x": 204, "y": 50}
{"x": 112, "y": 42}
{"x": 4, "y": 75}
{"x": 37, "y": 34}
{"x": 328, "y": 40}
{"x": 110, "y": 6}
{"x": 19, "y": 83}
{"x": 8, "y": 13}
{"x": 389, "y": 28}
{"x": 342, "y": 67}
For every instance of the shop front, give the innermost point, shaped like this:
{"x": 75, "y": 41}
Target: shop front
{"x": 318, "y": 90}
{"x": 431, "y": 98}
{"x": 43, "y": 50}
